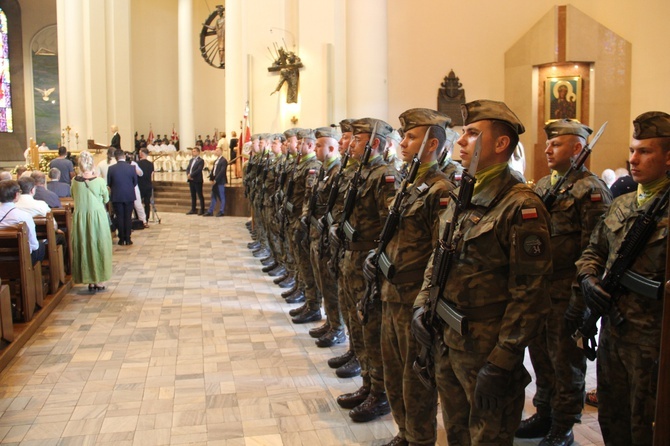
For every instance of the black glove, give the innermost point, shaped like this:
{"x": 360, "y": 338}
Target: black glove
{"x": 369, "y": 267}
{"x": 597, "y": 299}
{"x": 303, "y": 223}
{"x": 334, "y": 239}
{"x": 298, "y": 236}
{"x": 419, "y": 330}
{"x": 492, "y": 385}
{"x": 332, "y": 267}
{"x": 574, "y": 318}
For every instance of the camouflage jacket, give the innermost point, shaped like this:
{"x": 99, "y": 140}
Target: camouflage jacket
{"x": 322, "y": 191}
{"x": 501, "y": 266}
{"x": 380, "y": 182}
{"x": 304, "y": 176}
{"x": 268, "y": 186}
{"x": 413, "y": 241}
{"x": 575, "y": 213}
{"x": 642, "y": 315}
{"x": 348, "y": 174}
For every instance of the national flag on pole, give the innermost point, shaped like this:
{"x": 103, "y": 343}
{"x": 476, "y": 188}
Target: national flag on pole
{"x": 246, "y": 131}
{"x": 150, "y": 137}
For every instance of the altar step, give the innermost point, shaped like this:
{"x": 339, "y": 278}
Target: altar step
{"x": 175, "y": 196}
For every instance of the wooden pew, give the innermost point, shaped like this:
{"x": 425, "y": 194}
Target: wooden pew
{"x": 46, "y": 229}
{"x": 67, "y": 201}
{"x": 6, "y": 324}
{"x": 64, "y": 219}
{"x": 17, "y": 267}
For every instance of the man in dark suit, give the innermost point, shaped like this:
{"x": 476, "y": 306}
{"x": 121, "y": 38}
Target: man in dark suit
{"x": 219, "y": 179}
{"x": 116, "y": 138}
{"x": 122, "y": 179}
{"x": 145, "y": 182}
{"x": 194, "y": 178}
{"x": 41, "y": 191}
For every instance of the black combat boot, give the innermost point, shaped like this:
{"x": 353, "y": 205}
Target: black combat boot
{"x": 278, "y": 271}
{"x": 353, "y": 399}
{"x": 319, "y": 331}
{"x": 331, "y": 338}
{"x": 288, "y": 292}
{"x": 270, "y": 267}
{"x": 309, "y": 315}
{"x": 339, "y": 361}
{"x": 350, "y": 369}
{"x": 558, "y": 436}
{"x": 296, "y": 298}
{"x": 374, "y": 406}
{"x": 397, "y": 441}
{"x": 536, "y": 426}
{"x": 297, "y": 311}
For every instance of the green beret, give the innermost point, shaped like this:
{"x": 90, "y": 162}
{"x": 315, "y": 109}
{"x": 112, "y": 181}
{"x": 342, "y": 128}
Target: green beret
{"x": 306, "y": 134}
{"x": 265, "y": 136}
{"x": 327, "y": 132}
{"x": 485, "y": 109}
{"x": 653, "y": 124}
{"x": 417, "y": 117}
{"x": 291, "y": 132}
{"x": 345, "y": 125}
{"x": 567, "y": 127}
{"x": 255, "y": 136}
{"x": 366, "y": 125}
{"x": 395, "y": 135}
{"x": 277, "y": 136}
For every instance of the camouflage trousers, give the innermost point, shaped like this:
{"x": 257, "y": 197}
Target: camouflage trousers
{"x": 560, "y": 366}
{"x": 366, "y": 338}
{"x": 274, "y": 243}
{"x": 344, "y": 304}
{"x": 294, "y": 251}
{"x": 414, "y": 407}
{"x": 456, "y": 376}
{"x": 325, "y": 283}
{"x": 627, "y": 381}
{"x": 305, "y": 270}
{"x": 259, "y": 225}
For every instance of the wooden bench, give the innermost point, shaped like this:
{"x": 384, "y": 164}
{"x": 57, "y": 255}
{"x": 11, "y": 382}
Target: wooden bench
{"x": 45, "y": 228}
{"x": 67, "y": 201}
{"x": 6, "y": 324}
{"x": 64, "y": 219}
{"x": 18, "y": 270}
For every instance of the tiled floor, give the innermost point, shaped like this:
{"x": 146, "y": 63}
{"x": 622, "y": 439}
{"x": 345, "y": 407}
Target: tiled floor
{"x": 189, "y": 344}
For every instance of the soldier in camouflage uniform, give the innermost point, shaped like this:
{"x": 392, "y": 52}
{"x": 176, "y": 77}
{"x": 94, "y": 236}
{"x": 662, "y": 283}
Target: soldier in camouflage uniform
{"x": 391, "y": 151}
{"x": 414, "y": 407}
{"x": 560, "y": 366}
{"x": 629, "y": 352}
{"x": 267, "y": 192}
{"x": 346, "y": 365}
{"x": 497, "y": 282}
{"x": 378, "y": 185}
{"x": 250, "y": 171}
{"x": 327, "y": 153}
{"x": 294, "y": 292}
{"x": 304, "y": 176}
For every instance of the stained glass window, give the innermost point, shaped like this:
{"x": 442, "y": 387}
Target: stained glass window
{"x": 6, "y": 124}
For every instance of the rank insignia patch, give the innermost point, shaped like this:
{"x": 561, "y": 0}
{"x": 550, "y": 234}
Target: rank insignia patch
{"x": 444, "y": 201}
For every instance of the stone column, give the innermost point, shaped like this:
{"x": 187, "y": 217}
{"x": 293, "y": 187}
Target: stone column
{"x": 185, "y": 50}
{"x": 236, "y": 83}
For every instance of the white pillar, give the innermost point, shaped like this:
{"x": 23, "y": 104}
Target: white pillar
{"x": 367, "y": 55}
{"x": 185, "y": 46}
{"x": 236, "y": 66}
{"x": 71, "y": 68}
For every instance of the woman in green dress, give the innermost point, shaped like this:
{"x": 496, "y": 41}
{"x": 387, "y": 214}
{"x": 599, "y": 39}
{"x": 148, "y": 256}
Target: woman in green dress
{"x": 91, "y": 235}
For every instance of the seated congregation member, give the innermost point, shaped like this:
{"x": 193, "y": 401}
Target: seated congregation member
{"x": 41, "y": 192}
{"x": 56, "y": 186}
{"x": 4, "y": 175}
{"x": 63, "y": 164}
{"x": 27, "y": 201}
{"x": 11, "y": 215}
{"x": 91, "y": 236}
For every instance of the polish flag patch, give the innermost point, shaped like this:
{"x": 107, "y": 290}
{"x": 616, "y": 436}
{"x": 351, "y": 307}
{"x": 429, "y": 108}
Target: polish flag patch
{"x": 444, "y": 201}
{"x": 596, "y": 197}
{"x": 312, "y": 171}
{"x": 458, "y": 177}
{"x": 390, "y": 179}
{"x": 528, "y": 214}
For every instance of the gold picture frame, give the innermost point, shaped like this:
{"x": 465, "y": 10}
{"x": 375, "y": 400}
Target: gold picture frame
{"x": 563, "y": 98}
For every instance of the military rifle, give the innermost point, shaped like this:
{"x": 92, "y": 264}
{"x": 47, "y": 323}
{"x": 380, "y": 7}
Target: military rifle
{"x": 350, "y": 198}
{"x": 259, "y": 171}
{"x": 323, "y": 223}
{"x": 264, "y": 177}
{"x": 552, "y": 194}
{"x": 282, "y": 179}
{"x": 443, "y": 260}
{"x": 619, "y": 277}
{"x": 311, "y": 206}
{"x": 365, "y": 305}
{"x": 289, "y": 194}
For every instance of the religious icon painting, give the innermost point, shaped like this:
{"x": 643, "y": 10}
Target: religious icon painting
{"x": 563, "y": 98}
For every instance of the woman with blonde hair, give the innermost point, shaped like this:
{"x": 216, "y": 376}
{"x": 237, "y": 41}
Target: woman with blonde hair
{"x": 91, "y": 235}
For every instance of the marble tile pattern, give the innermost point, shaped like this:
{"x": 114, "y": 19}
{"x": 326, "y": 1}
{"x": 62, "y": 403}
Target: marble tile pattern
{"x": 189, "y": 344}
